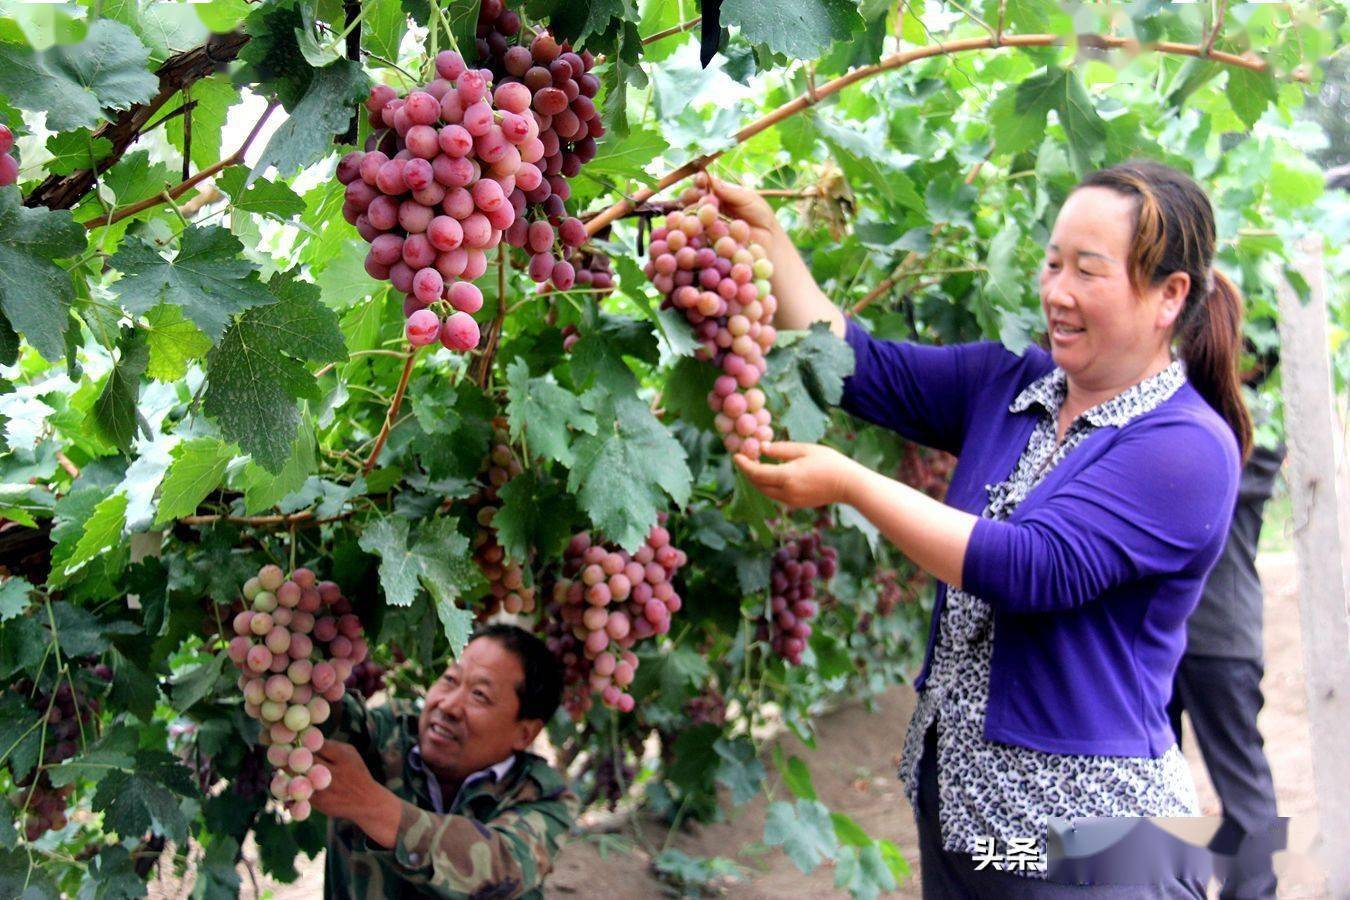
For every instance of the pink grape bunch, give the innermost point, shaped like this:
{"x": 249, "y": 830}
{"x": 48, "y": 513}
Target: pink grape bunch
{"x": 436, "y": 188}
{"x": 69, "y": 714}
{"x": 606, "y": 601}
{"x": 9, "y": 166}
{"x": 295, "y": 646}
{"x": 797, "y": 565}
{"x": 593, "y": 272}
{"x": 708, "y": 269}
{"x": 562, "y": 90}
{"x": 506, "y": 577}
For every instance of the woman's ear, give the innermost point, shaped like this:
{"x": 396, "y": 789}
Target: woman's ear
{"x": 1175, "y": 289}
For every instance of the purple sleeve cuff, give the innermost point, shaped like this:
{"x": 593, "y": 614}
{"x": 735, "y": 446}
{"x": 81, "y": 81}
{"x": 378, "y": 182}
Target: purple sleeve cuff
{"x": 986, "y": 567}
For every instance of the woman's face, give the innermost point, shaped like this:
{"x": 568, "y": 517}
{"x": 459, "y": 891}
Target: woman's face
{"x": 1102, "y": 334}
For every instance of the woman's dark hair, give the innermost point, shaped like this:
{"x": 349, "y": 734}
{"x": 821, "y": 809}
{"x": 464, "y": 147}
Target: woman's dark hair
{"x": 1174, "y": 232}
{"x": 540, "y": 691}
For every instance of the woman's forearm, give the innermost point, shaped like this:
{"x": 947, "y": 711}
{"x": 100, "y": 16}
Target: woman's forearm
{"x": 800, "y": 300}
{"x": 932, "y": 534}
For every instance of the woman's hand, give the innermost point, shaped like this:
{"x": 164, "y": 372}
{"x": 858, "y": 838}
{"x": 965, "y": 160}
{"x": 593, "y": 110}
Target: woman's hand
{"x": 743, "y": 203}
{"x": 810, "y": 475}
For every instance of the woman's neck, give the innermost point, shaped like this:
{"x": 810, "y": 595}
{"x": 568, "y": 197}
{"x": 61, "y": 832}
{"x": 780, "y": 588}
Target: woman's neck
{"x": 1084, "y": 395}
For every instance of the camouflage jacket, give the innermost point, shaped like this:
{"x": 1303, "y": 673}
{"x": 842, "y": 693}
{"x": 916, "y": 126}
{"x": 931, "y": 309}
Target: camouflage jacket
{"x": 497, "y": 839}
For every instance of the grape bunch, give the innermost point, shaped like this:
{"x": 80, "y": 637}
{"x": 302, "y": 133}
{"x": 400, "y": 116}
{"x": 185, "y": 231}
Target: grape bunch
{"x": 562, "y": 97}
{"x": 367, "y": 678}
{"x": 436, "y": 187}
{"x": 604, "y": 603}
{"x": 709, "y": 707}
{"x": 295, "y": 647}
{"x": 792, "y": 582}
{"x": 506, "y": 577}
{"x": 707, "y": 268}
{"x": 9, "y": 166}
{"x": 926, "y": 470}
{"x": 70, "y": 715}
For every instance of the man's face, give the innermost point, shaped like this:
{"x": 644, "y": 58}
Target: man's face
{"x": 469, "y": 721}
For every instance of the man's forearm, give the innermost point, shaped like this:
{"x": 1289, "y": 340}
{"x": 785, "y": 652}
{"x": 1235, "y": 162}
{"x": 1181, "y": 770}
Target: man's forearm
{"x": 380, "y": 818}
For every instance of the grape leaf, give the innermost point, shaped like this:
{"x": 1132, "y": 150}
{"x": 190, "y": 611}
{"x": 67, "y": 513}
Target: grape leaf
{"x": 263, "y": 489}
{"x": 213, "y": 97}
{"x": 325, "y": 110}
{"x": 173, "y": 342}
{"x": 14, "y": 593}
{"x": 196, "y": 470}
{"x": 209, "y": 277}
{"x": 802, "y": 29}
{"x": 35, "y": 292}
{"x": 384, "y": 24}
{"x": 1015, "y": 131}
{"x": 803, "y": 830}
{"x": 809, "y": 378}
{"x": 73, "y": 150}
{"x": 439, "y": 559}
{"x": 534, "y": 513}
{"x": 73, "y": 84}
{"x": 1250, "y": 93}
{"x": 796, "y": 776}
{"x": 112, "y": 873}
{"x": 628, "y": 156}
{"x": 272, "y": 57}
{"x": 463, "y": 16}
{"x": 200, "y": 681}
{"x": 863, "y": 872}
{"x": 257, "y": 372}
{"x": 544, "y": 412}
{"x": 20, "y": 733}
{"x": 114, "y": 415}
{"x": 273, "y": 199}
{"x": 739, "y": 770}
{"x": 624, "y": 473}
{"x": 115, "y": 751}
{"x": 102, "y": 531}
{"x": 133, "y": 803}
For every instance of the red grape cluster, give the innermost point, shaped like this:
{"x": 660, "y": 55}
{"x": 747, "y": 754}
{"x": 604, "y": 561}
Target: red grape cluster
{"x": 69, "y": 715}
{"x": 506, "y": 577}
{"x": 9, "y": 166}
{"x": 792, "y": 584}
{"x": 367, "y": 678}
{"x": 294, "y": 646}
{"x": 709, "y": 707}
{"x": 562, "y": 97}
{"x": 437, "y": 187}
{"x": 606, "y": 601}
{"x": 708, "y": 269}
{"x": 926, "y": 470}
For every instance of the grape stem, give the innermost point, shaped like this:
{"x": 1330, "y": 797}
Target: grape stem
{"x": 170, "y": 194}
{"x": 393, "y": 412}
{"x": 904, "y": 58}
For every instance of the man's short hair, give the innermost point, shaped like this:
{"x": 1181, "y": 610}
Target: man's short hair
{"x": 540, "y": 691}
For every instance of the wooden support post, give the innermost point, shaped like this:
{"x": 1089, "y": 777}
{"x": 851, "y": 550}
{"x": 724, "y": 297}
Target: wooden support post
{"x": 1311, "y": 428}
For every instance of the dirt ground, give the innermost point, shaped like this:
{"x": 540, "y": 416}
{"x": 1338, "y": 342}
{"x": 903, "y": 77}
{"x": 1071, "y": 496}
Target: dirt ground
{"x": 854, "y": 764}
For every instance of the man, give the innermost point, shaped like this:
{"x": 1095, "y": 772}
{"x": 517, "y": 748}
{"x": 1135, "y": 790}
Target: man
{"x": 448, "y": 803}
{"x": 1218, "y": 684}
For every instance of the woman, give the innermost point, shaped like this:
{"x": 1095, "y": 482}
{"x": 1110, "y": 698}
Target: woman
{"x": 1092, "y": 496}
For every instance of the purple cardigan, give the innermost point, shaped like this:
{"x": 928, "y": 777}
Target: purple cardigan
{"x": 1093, "y": 575}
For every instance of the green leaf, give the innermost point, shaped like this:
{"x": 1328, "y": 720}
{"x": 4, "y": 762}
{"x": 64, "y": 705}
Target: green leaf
{"x": 624, "y": 474}
{"x": 14, "y": 597}
{"x": 325, "y": 110}
{"x": 809, "y": 377}
{"x": 115, "y": 751}
{"x": 457, "y": 624}
{"x": 686, "y": 393}
{"x": 383, "y": 26}
{"x": 74, "y": 150}
{"x": 803, "y": 830}
{"x": 1082, "y": 126}
{"x": 694, "y": 762}
{"x": 801, "y": 29}
{"x": 1250, "y": 93}
{"x": 114, "y": 415}
{"x": 73, "y": 84}
{"x": 213, "y": 97}
{"x": 102, "y": 530}
{"x": 463, "y": 17}
{"x": 35, "y": 293}
{"x": 198, "y": 682}
{"x": 209, "y": 278}
{"x": 133, "y": 804}
{"x": 257, "y": 372}
{"x": 544, "y": 413}
{"x": 739, "y": 771}
{"x": 112, "y": 874}
{"x": 439, "y": 559}
{"x": 344, "y": 282}
{"x": 20, "y": 733}
{"x": 273, "y": 199}
{"x": 173, "y": 342}
{"x": 272, "y": 58}
{"x": 863, "y": 872}
{"x": 627, "y": 157}
{"x": 1016, "y": 131}
{"x": 263, "y": 489}
{"x": 1004, "y": 278}
{"x": 796, "y": 776}
{"x": 221, "y": 15}
{"x": 534, "y": 513}
{"x": 197, "y": 468}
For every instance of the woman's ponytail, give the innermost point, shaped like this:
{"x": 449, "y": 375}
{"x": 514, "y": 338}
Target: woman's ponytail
{"x": 1174, "y": 232}
{"x": 1211, "y": 343}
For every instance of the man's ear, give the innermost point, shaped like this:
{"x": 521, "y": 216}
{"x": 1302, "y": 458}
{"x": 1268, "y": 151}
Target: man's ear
{"x": 526, "y": 731}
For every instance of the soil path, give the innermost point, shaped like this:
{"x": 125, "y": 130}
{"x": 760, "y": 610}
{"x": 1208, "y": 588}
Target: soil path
{"x": 854, "y": 764}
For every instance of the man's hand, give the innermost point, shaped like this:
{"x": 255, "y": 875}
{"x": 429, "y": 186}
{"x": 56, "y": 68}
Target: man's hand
{"x": 811, "y": 474}
{"x": 355, "y": 794}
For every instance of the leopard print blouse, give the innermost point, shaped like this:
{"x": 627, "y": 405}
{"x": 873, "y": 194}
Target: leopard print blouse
{"x": 1001, "y": 791}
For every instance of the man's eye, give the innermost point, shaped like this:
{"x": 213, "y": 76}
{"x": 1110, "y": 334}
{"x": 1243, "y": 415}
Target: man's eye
{"x": 480, "y": 696}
